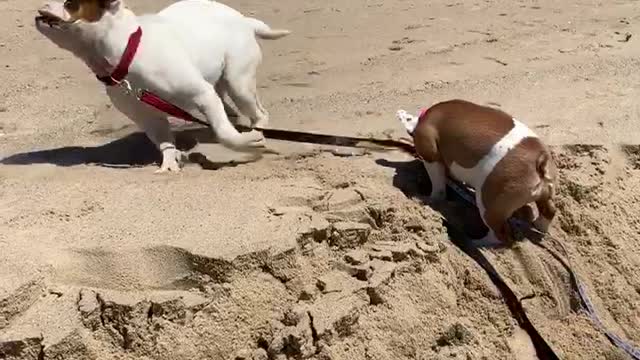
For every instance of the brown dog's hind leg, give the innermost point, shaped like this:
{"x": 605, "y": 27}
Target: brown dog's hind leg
{"x": 438, "y": 177}
{"x": 427, "y": 148}
{"x": 499, "y": 230}
{"x": 497, "y": 205}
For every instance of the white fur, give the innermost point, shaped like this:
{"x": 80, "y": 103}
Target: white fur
{"x": 438, "y": 177}
{"x": 409, "y": 121}
{"x": 186, "y": 49}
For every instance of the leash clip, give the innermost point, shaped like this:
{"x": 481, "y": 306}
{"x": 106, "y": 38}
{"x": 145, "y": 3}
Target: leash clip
{"x": 126, "y": 85}
{"x": 129, "y": 90}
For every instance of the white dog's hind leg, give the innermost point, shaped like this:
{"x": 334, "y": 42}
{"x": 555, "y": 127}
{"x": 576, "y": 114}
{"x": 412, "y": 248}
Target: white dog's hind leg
{"x": 210, "y": 104}
{"x": 263, "y": 121}
{"x": 240, "y": 75}
{"x": 222, "y": 90}
{"x": 490, "y": 239}
{"x": 244, "y": 95}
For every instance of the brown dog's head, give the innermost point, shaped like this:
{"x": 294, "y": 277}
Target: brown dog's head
{"x": 72, "y": 24}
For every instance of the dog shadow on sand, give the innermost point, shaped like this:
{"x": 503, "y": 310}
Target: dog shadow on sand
{"x": 132, "y": 150}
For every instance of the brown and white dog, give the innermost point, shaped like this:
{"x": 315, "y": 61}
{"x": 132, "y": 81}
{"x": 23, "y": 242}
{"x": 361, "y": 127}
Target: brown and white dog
{"x": 501, "y": 158}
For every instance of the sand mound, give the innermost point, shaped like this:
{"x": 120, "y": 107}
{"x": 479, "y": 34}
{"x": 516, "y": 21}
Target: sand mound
{"x": 369, "y": 273}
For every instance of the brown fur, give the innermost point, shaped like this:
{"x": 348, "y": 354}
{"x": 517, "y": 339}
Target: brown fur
{"x": 523, "y": 176}
{"x": 460, "y": 131}
{"x": 87, "y": 10}
{"x": 463, "y": 132}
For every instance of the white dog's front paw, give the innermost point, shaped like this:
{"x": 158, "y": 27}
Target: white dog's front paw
{"x": 171, "y": 160}
{"x": 168, "y": 168}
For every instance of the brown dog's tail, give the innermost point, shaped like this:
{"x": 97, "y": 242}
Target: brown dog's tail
{"x": 264, "y": 31}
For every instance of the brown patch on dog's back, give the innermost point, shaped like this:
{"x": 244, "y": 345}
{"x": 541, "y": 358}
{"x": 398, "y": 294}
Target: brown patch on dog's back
{"x": 87, "y": 10}
{"x": 465, "y": 131}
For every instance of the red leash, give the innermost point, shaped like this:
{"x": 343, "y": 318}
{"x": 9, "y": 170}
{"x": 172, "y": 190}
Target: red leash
{"x": 157, "y": 102}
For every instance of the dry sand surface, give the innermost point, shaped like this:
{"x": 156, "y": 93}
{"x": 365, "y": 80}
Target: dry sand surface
{"x": 308, "y": 255}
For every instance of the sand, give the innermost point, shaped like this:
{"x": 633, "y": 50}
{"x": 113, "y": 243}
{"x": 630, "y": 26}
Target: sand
{"x": 308, "y": 255}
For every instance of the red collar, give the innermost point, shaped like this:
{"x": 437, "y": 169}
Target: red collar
{"x": 423, "y": 114}
{"x": 121, "y": 71}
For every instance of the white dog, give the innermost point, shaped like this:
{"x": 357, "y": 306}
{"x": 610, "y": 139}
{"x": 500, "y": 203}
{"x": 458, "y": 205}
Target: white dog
{"x": 190, "y": 54}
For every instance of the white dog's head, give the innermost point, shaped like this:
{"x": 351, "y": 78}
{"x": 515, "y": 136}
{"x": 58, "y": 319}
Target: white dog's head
{"x": 75, "y": 24}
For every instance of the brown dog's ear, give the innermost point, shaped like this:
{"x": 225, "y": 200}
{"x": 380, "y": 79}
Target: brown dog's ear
{"x": 111, "y": 4}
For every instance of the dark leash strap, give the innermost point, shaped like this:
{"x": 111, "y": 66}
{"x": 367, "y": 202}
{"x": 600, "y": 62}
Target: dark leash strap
{"x": 160, "y": 104}
{"x": 576, "y": 283}
{"x": 543, "y": 349}
{"x": 587, "y": 305}
{"x": 348, "y": 141}
{"x": 515, "y": 306}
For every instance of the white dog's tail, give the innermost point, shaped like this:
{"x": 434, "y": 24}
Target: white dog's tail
{"x": 409, "y": 121}
{"x": 264, "y": 31}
